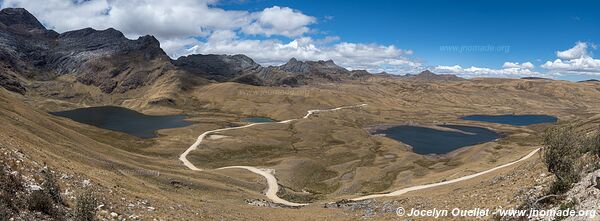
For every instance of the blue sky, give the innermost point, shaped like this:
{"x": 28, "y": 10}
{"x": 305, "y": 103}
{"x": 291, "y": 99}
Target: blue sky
{"x": 467, "y": 38}
{"x": 531, "y": 30}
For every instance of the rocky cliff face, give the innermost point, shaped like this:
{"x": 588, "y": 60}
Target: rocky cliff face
{"x": 104, "y": 58}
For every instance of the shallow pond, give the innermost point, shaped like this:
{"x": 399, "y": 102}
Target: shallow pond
{"x": 425, "y": 140}
{"x": 516, "y": 120}
{"x": 124, "y": 120}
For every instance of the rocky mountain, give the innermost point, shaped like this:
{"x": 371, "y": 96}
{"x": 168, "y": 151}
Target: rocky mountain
{"x": 103, "y": 58}
{"x": 115, "y": 64}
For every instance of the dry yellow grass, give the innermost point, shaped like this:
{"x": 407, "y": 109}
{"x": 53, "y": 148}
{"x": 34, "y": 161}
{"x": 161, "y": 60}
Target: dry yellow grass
{"x": 330, "y": 155}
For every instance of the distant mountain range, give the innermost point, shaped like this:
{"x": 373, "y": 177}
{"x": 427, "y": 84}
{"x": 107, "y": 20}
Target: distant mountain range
{"x": 423, "y": 76}
{"x": 108, "y": 60}
{"x": 242, "y": 69}
{"x": 535, "y": 78}
{"x": 430, "y": 76}
{"x": 590, "y": 80}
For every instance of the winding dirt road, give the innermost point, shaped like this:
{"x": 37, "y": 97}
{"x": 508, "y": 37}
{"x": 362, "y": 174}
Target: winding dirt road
{"x": 273, "y": 187}
{"x": 425, "y": 186}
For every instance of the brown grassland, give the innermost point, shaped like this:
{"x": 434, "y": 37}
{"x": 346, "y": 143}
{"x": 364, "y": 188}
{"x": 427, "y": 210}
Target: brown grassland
{"x": 328, "y": 157}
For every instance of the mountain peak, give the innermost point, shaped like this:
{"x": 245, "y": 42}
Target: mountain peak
{"x": 20, "y": 19}
{"x": 109, "y": 33}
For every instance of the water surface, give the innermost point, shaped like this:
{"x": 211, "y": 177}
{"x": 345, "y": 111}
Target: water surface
{"x": 516, "y": 120}
{"x": 124, "y": 120}
{"x": 424, "y": 140}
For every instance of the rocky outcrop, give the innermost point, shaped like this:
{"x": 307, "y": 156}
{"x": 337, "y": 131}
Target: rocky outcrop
{"x": 11, "y": 83}
{"x": 584, "y": 195}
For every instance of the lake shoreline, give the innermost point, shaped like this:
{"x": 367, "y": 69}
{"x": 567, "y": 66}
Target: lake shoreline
{"x": 453, "y": 141}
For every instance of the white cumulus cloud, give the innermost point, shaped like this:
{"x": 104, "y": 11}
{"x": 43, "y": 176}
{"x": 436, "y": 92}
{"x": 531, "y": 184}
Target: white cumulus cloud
{"x": 525, "y": 65}
{"x": 577, "y": 60}
{"x": 579, "y": 50}
{"x": 279, "y": 21}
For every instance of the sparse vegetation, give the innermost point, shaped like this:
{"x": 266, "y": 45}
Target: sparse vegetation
{"x": 568, "y": 205}
{"x": 567, "y": 155}
{"x": 85, "y": 206}
{"x": 9, "y": 185}
{"x": 593, "y": 144}
{"x": 40, "y": 201}
{"x": 5, "y": 211}
{"x": 562, "y": 151}
{"x": 16, "y": 203}
{"x": 51, "y": 187}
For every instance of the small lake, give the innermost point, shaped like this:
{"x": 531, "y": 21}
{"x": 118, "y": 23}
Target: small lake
{"x": 424, "y": 140}
{"x": 516, "y": 120}
{"x": 124, "y": 120}
{"x": 258, "y": 119}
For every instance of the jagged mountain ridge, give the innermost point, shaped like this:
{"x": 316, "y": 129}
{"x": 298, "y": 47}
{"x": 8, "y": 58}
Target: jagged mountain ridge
{"x": 114, "y": 63}
{"x": 241, "y": 68}
{"x": 104, "y": 58}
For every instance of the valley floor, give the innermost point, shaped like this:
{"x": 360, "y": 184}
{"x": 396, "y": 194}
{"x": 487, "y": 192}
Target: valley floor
{"x": 327, "y": 157}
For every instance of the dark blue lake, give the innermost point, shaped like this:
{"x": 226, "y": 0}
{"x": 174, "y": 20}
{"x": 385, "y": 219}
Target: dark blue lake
{"x": 516, "y": 120}
{"x": 258, "y": 119}
{"x": 426, "y": 140}
{"x": 124, "y": 120}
